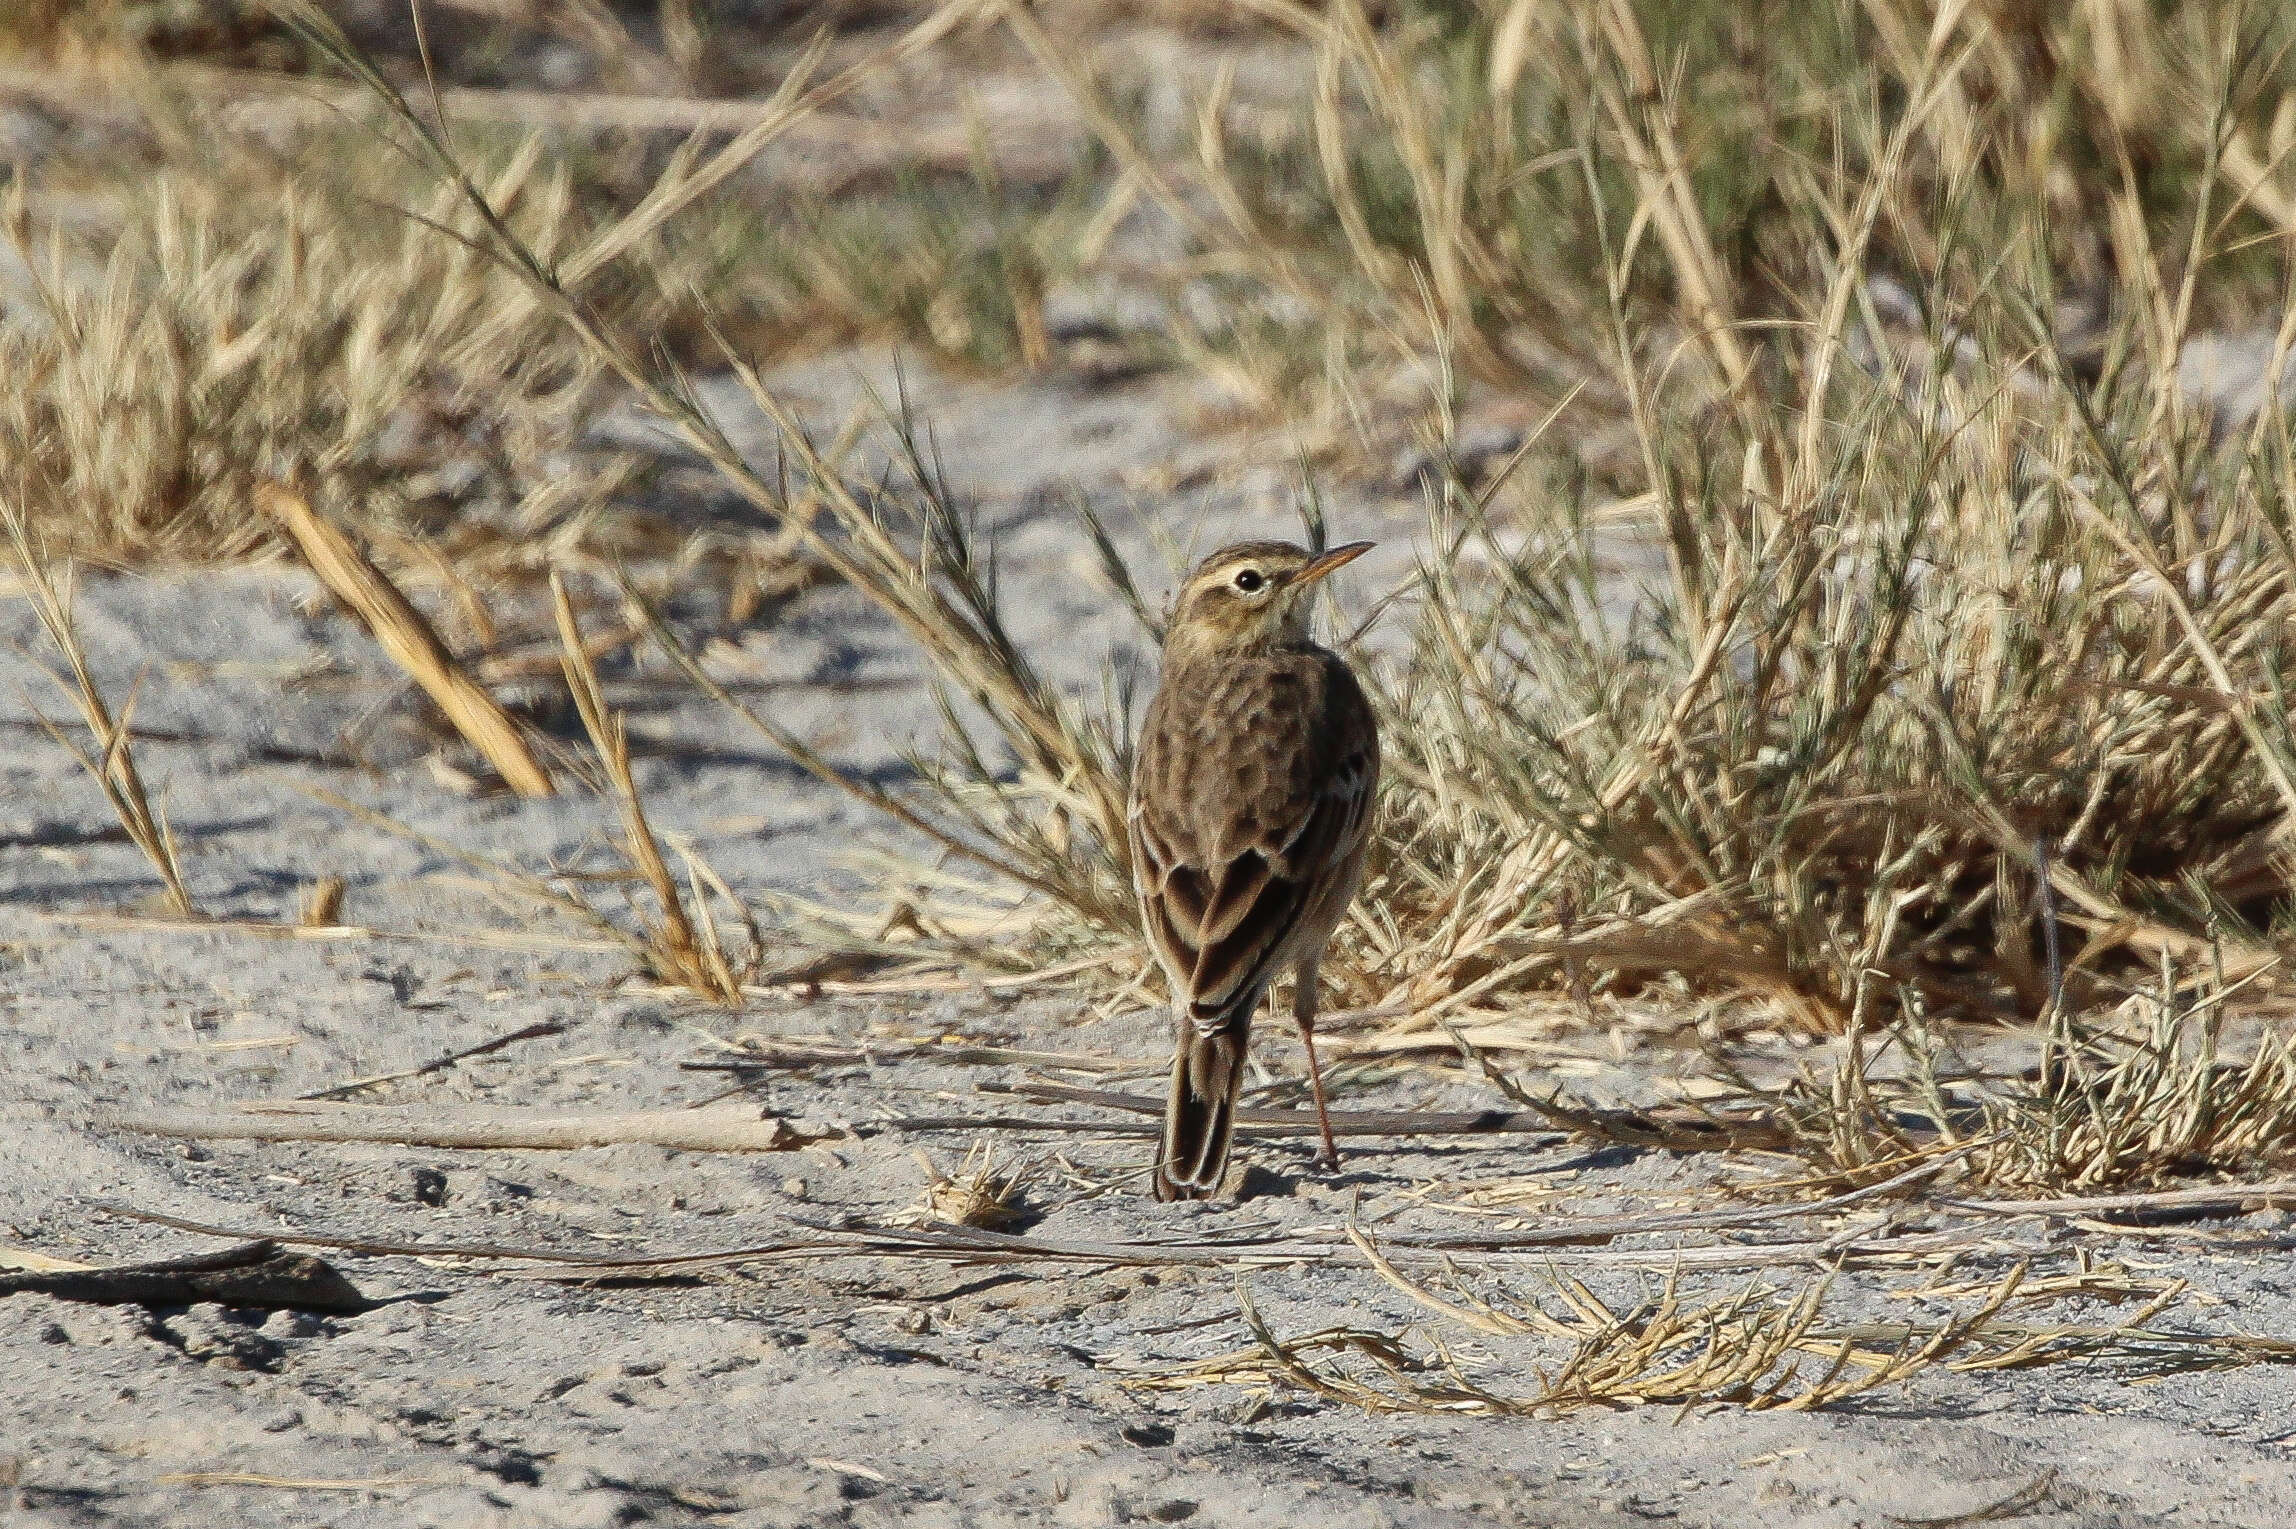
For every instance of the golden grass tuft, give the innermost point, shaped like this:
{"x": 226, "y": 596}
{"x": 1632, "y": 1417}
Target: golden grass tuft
{"x": 232, "y": 325}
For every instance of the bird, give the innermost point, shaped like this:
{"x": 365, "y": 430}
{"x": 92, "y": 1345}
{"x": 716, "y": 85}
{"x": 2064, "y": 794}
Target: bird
{"x": 1253, "y": 785}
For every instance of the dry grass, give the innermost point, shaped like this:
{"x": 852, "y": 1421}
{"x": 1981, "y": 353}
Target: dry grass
{"x": 1916, "y": 649}
{"x": 111, "y": 762}
{"x": 1961, "y": 652}
{"x": 690, "y": 931}
{"x": 1054, "y": 826}
{"x": 2131, "y": 1099}
{"x": 981, "y": 1191}
{"x": 680, "y": 943}
{"x": 1759, "y": 1347}
{"x": 237, "y": 325}
{"x": 1953, "y": 656}
{"x": 2144, "y": 1094}
{"x": 407, "y": 635}
{"x": 679, "y": 939}
{"x": 1889, "y": 630}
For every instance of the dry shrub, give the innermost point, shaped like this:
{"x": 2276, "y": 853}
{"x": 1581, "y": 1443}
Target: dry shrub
{"x": 2135, "y": 1098}
{"x": 245, "y": 326}
{"x": 1984, "y": 704}
{"x": 1964, "y": 643}
{"x": 1922, "y": 640}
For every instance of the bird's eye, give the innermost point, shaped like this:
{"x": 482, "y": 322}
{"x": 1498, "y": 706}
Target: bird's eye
{"x": 1249, "y": 581}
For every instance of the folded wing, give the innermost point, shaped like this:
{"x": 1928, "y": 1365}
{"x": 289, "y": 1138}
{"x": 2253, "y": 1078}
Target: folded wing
{"x": 1224, "y": 899}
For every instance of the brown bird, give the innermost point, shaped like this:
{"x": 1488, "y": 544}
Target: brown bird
{"x": 1251, "y": 806}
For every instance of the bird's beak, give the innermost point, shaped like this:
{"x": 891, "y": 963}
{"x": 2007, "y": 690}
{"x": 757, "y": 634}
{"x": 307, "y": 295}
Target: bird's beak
{"x": 1331, "y": 562}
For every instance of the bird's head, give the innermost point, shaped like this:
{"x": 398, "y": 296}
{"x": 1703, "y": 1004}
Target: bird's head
{"x": 1251, "y": 597}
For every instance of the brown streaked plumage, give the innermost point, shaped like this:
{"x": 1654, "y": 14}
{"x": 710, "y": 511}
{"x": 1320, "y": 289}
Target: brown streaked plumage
{"x": 1251, "y": 806}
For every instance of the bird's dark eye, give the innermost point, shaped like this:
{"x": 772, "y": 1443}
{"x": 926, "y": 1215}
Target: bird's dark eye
{"x": 1249, "y": 581}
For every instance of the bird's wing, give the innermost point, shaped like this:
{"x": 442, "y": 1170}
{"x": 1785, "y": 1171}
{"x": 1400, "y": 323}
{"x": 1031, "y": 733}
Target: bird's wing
{"x": 1223, "y": 898}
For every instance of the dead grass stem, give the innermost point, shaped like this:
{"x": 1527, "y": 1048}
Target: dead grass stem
{"x": 682, "y": 945}
{"x": 111, "y": 763}
{"x": 408, "y": 636}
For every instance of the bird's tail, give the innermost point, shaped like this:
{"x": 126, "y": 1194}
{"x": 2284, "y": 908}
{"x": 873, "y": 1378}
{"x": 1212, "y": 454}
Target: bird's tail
{"x": 1200, "y": 1116}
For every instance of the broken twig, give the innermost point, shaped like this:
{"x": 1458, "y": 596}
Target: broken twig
{"x": 261, "y": 1274}
{"x": 440, "y": 1064}
{"x": 739, "y": 1128}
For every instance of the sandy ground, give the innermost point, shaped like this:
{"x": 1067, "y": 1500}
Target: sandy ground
{"x": 841, "y": 1390}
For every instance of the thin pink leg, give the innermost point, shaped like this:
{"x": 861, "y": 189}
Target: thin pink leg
{"x": 1303, "y": 1012}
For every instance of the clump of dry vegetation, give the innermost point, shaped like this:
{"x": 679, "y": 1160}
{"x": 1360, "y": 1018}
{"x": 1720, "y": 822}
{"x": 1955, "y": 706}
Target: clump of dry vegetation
{"x": 242, "y": 328}
{"x": 1958, "y": 636}
{"x": 2133, "y": 1098}
{"x": 983, "y": 1191}
{"x": 1758, "y": 1347}
{"x": 1919, "y": 646}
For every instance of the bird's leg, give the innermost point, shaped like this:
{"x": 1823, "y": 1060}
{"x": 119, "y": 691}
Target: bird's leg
{"x": 1303, "y": 1012}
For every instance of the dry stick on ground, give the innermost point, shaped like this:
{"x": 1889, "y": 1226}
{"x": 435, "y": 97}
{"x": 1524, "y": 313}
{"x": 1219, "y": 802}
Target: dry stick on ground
{"x": 966, "y": 1246}
{"x": 440, "y": 1064}
{"x": 490, "y": 939}
{"x": 113, "y": 765}
{"x": 963, "y": 1245}
{"x": 258, "y": 1273}
{"x": 2193, "y": 1201}
{"x": 407, "y": 636}
{"x": 722, "y": 1129}
{"x": 371, "y": 1247}
{"x": 764, "y": 1054}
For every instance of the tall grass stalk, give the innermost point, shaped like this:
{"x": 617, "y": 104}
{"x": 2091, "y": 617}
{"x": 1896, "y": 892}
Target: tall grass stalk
{"x": 111, "y": 763}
